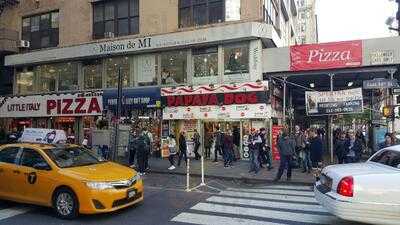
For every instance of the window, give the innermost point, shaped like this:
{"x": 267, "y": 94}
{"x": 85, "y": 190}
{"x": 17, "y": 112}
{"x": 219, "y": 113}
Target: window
{"x": 47, "y": 78}
{"x": 92, "y": 72}
{"x": 200, "y": 12}
{"x": 205, "y": 62}
{"x": 112, "y": 67}
{"x": 25, "y": 81}
{"x": 41, "y": 30}
{"x": 9, "y": 155}
{"x": 388, "y": 158}
{"x": 30, "y": 158}
{"x": 271, "y": 13}
{"x": 68, "y": 76}
{"x": 236, "y": 59}
{"x": 117, "y": 18}
{"x": 147, "y": 70}
{"x": 174, "y": 67}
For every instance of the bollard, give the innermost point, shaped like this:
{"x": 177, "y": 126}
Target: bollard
{"x": 187, "y": 175}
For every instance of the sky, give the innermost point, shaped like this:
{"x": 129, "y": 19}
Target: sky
{"x": 340, "y": 20}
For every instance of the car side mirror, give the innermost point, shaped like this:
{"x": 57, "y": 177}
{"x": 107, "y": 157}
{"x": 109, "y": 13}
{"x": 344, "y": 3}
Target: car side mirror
{"x": 42, "y": 166}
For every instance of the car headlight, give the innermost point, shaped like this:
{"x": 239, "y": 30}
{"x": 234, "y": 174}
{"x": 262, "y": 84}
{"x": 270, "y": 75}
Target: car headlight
{"x": 99, "y": 185}
{"x": 136, "y": 177}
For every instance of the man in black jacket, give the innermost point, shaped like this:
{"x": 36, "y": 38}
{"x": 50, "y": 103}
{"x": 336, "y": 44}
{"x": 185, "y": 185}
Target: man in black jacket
{"x": 182, "y": 148}
{"x": 287, "y": 149}
{"x": 141, "y": 153}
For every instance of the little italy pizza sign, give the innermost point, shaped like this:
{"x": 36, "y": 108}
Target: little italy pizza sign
{"x": 78, "y": 104}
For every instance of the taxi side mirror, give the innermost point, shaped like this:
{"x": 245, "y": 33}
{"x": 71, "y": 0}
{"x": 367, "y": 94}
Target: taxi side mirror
{"x": 42, "y": 166}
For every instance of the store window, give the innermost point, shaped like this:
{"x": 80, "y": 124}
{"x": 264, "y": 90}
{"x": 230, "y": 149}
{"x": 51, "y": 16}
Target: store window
{"x": 271, "y": 13}
{"x": 236, "y": 59}
{"x": 42, "y": 31}
{"x": 68, "y": 76}
{"x": 92, "y": 73}
{"x": 47, "y": 78}
{"x": 205, "y": 63}
{"x": 115, "y": 18}
{"x": 25, "y": 78}
{"x": 200, "y": 12}
{"x": 174, "y": 67}
{"x": 147, "y": 70}
{"x": 112, "y": 68}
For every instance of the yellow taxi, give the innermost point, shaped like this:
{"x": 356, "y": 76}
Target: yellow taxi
{"x": 69, "y": 178}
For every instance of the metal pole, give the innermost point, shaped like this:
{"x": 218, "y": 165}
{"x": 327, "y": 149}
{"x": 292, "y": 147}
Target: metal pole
{"x": 187, "y": 175}
{"x": 331, "y": 122}
{"x": 284, "y": 100}
{"x": 391, "y": 97}
{"x": 119, "y": 106}
{"x": 199, "y": 126}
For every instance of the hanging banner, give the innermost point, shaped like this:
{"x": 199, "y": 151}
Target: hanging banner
{"x": 336, "y": 102}
{"x": 77, "y": 104}
{"x": 326, "y": 56}
{"x": 276, "y": 130}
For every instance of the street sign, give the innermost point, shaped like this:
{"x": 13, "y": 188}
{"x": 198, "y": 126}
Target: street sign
{"x": 382, "y": 57}
{"x": 380, "y": 83}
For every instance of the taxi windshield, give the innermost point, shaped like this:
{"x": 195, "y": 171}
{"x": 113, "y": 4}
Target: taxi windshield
{"x": 66, "y": 157}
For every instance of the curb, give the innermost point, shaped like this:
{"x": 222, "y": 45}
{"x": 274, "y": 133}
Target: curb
{"x": 246, "y": 180}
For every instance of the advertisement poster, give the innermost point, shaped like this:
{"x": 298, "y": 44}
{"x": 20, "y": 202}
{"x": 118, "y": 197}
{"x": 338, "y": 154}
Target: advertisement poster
{"x": 275, "y": 133}
{"x": 146, "y": 69}
{"x": 45, "y": 136}
{"x": 326, "y": 56}
{"x": 336, "y": 102}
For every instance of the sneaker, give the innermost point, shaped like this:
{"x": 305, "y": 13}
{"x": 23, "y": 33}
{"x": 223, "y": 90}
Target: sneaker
{"x": 171, "y": 168}
{"x": 132, "y": 166}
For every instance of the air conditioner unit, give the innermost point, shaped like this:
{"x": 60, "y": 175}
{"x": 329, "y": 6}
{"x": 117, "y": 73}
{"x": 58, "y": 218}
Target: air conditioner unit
{"x": 24, "y": 44}
{"x": 109, "y": 35}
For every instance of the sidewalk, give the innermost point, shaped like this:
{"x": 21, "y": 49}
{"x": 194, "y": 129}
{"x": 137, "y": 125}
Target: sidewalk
{"x": 239, "y": 171}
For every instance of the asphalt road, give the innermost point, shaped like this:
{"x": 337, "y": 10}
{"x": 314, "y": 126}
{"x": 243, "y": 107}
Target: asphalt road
{"x": 166, "y": 203}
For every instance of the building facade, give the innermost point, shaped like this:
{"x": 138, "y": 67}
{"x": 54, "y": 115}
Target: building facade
{"x": 76, "y": 49}
{"x": 307, "y": 28}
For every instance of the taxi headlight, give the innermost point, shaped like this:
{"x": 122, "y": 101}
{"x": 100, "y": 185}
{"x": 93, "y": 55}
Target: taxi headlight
{"x": 99, "y": 185}
{"x": 136, "y": 177}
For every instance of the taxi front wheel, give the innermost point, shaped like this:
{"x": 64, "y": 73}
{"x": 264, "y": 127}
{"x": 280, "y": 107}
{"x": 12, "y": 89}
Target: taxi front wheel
{"x": 65, "y": 203}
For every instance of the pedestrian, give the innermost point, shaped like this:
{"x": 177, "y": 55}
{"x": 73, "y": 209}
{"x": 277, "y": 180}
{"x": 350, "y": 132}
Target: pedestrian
{"x": 172, "y": 151}
{"x": 340, "y": 147}
{"x": 287, "y": 149}
{"x": 141, "y": 153}
{"x": 148, "y": 137}
{"x": 387, "y": 143}
{"x": 219, "y": 143}
{"x": 306, "y": 160}
{"x": 254, "y": 142}
{"x": 208, "y": 142}
{"x": 182, "y": 148}
{"x": 316, "y": 148}
{"x": 353, "y": 148}
{"x": 300, "y": 144}
{"x": 133, "y": 146}
{"x": 265, "y": 153}
{"x": 228, "y": 150}
{"x": 196, "y": 141}
{"x": 236, "y": 142}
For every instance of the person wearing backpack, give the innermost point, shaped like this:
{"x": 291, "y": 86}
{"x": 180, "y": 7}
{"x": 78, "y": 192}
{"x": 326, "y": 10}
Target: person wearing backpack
{"x": 172, "y": 151}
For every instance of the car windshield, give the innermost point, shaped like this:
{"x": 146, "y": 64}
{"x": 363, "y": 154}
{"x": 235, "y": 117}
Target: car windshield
{"x": 66, "y": 157}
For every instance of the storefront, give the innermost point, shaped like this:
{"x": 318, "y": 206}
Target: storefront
{"x": 72, "y": 112}
{"x": 234, "y": 109}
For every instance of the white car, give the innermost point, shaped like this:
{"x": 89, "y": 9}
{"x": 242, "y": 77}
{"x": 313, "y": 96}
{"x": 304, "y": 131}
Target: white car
{"x": 364, "y": 192}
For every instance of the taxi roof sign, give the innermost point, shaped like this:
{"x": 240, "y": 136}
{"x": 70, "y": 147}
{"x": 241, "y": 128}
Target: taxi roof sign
{"x": 43, "y": 136}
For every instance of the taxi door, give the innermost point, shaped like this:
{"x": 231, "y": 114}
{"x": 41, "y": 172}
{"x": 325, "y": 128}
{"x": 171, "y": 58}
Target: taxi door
{"x": 8, "y": 168}
{"x": 35, "y": 178}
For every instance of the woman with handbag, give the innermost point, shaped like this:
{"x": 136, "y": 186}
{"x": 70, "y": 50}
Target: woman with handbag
{"x": 172, "y": 151}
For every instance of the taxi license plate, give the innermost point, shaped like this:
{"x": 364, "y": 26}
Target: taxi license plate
{"x": 131, "y": 193}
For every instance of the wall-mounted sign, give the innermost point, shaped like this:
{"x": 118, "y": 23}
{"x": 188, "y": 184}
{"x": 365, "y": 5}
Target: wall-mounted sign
{"x": 77, "y": 104}
{"x": 146, "y": 68}
{"x": 326, "y": 56}
{"x": 380, "y": 83}
{"x": 336, "y": 102}
{"x": 382, "y": 57}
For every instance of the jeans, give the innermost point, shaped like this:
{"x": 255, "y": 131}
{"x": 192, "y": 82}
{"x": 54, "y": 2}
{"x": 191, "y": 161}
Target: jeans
{"x": 196, "y": 151}
{"x": 207, "y": 152}
{"x": 182, "y": 153}
{"x": 228, "y": 157}
{"x": 171, "y": 159}
{"x": 254, "y": 163}
{"x": 132, "y": 153}
{"x": 218, "y": 149}
{"x": 141, "y": 157}
{"x": 285, "y": 163}
{"x": 306, "y": 161}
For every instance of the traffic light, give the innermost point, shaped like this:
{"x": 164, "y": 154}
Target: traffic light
{"x": 388, "y": 111}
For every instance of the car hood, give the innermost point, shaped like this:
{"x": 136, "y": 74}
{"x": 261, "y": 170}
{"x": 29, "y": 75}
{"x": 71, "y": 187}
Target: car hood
{"x": 355, "y": 169}
{"x": 101, "y": 172}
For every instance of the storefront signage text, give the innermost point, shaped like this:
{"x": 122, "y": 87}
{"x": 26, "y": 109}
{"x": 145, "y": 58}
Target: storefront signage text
{"x": 215, "y": 99}
{"x": 112, "y": 47}
{"x": 326, "y": 56}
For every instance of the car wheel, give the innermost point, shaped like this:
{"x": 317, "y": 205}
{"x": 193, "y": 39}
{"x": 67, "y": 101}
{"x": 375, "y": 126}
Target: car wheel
{"x": 65, "y": 204}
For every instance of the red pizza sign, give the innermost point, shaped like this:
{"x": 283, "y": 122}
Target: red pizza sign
{"x": 326, "y": 56}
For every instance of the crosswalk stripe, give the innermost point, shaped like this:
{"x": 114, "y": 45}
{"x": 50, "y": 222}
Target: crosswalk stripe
{"x": 14, "y": 211}
{"x": 288, "y": 187}
{"x": 268, "y": 196}
{"x": 269, "y": 204}
{"x": 274, "y": 191}
{"x": 216, "y": 220}
{"x": 264, "y": 213}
